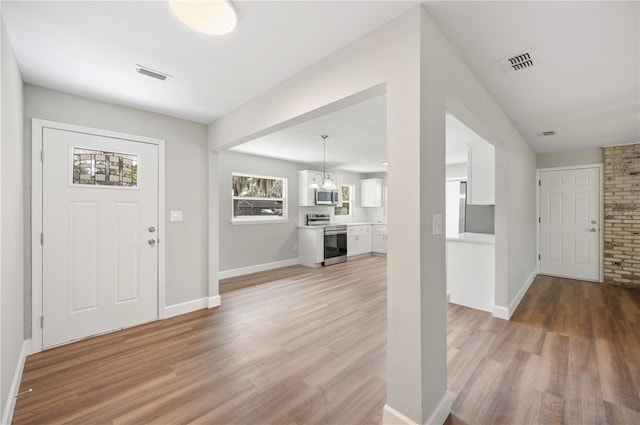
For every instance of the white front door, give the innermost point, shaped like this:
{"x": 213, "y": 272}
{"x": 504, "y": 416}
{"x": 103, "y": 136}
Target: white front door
{"x": 99, "y": 221}
{"x": 570, "y": 223}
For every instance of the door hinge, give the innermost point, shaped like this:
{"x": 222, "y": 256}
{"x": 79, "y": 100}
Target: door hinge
{"x": 41, "y": 322}
{"x": 539, "y": 182}
{"x": 41, "y": 238}
{"x": 538, "y": 257}
{"x": 41, "y": 155}
{"x": 539, "y": 220}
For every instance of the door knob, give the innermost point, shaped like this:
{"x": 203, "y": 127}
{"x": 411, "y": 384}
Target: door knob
{"x": 593, "y": 222}
{"x": 153, "y": 229}
{"x": 592, "y": 230}
{"x": 152, "y": 242}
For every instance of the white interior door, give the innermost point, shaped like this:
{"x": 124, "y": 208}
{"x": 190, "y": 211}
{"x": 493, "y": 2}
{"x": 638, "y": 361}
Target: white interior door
{"x": 570, "y": 223}
{"x": 100, "y": 219}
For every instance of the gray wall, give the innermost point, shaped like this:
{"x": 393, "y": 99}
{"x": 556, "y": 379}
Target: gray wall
{"x": 186, "y": 177}
{"x": 254, "y": 244}
{"x": 569, "y": 158}
{"x": 11, "y": 213}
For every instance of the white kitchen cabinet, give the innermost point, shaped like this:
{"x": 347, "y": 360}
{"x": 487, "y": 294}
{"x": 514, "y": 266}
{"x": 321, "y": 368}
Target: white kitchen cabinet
{"x": 379, "y": 238}
{"x": 481, "y": 185}
{"x": 311, "y": 246}
{"x": 358, "y": 240}
{"x": 306, "y": 195}
{"x": 471, "y": 274}
{"x": 371, "y": 193}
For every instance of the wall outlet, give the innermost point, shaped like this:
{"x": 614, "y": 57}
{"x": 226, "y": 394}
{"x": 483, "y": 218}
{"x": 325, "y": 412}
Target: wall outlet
{"x": 436, "y": 224}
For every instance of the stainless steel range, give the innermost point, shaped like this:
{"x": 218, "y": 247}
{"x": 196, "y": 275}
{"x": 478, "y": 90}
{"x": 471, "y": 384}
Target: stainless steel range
{"x": 335, "y": 238}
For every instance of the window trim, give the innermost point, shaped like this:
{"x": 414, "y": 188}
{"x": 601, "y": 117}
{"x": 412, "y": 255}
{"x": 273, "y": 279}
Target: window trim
{"x": 261, "y": 219}
{"x": 352, "y": 205}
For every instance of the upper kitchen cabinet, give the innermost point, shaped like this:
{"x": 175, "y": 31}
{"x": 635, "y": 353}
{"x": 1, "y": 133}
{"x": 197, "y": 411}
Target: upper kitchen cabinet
{"x": 307, "y": 195}
{"x": 482, "y": 178}
{"x": 371, "y": 193}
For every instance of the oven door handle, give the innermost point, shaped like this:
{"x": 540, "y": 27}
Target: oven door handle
{"x": 334, "y": 232}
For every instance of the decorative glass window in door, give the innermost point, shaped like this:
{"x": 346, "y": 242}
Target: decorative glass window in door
{"x": 100, "y": 168}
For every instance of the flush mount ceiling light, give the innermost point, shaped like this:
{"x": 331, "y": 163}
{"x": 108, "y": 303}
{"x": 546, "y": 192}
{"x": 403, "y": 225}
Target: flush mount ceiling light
{"x": 326, "y": 183}
{"x": 215, "y": 17}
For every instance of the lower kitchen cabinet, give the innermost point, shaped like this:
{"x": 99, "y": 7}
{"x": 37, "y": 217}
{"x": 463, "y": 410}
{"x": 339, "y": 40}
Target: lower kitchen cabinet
{"x": 311, "y": 246}
{"x": 358, "y": 240}
{"x": 379, "y": 239}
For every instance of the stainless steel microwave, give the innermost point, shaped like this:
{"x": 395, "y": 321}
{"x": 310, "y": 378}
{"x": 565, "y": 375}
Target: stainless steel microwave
{"x": 326, "y": 197}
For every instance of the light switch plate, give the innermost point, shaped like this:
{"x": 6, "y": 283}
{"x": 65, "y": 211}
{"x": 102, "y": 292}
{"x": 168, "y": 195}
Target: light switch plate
{"x": 175, "y": 215}
{"x": 437, "y": 224}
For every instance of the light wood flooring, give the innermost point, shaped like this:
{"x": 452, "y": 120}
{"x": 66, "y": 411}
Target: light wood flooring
{"x": 307, "y": 346}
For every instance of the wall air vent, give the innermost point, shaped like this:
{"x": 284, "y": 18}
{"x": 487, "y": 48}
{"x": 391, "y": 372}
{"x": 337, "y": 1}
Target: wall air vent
{"x": 143, "y": 70}
{"x": 519, "y": 62}
{"x": 546, "y": 133}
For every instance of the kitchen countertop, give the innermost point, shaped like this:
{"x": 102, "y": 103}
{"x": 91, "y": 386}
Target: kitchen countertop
{"x": 333, "y": 223}
{"x": 482, "y": 238}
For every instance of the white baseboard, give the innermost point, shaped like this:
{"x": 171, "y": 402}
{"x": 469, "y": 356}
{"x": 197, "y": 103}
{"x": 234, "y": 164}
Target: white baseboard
{"x": 506, "y": 313}
{"x": 391, "y": 416}
{"x": 501, "y": 312}
{"x": 520, "y": 295}
{"x": 225, "y": 274}
{"x": 10, "y": 405}
{"x": 185, "y": 307}
{"x": 214, "y": 301}
{"x": 441, "y": 411}
{"x": 189, "y": 306}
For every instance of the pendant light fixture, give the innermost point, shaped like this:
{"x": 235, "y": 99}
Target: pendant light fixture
{"x": 326, "y": 182}
{"x": 215, "y": 17}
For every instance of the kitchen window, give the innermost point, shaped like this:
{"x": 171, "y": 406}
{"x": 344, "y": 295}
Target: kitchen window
{"x": 258, "y": 198}
{"x": 345, "y": 209}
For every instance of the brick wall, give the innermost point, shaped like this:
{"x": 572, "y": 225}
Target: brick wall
{"x": 622, "y": 215}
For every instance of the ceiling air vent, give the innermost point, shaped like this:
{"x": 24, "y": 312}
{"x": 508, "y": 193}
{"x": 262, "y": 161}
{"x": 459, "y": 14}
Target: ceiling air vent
{"x": 519, "y": 62}
{"x": 546, "y": 133}
{"x": 151, "y": 73}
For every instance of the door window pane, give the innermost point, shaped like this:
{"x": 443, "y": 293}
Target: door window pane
{"x": 100, "y": 168}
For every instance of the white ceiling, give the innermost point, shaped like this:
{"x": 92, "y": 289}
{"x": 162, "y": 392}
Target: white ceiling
{"x": 91, "y": 48}
{"x": 586, "y": 81}
{"x": 585, "y": 84}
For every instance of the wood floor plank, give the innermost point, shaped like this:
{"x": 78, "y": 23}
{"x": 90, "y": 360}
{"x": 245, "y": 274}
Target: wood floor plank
{"x": 299, "y": 346}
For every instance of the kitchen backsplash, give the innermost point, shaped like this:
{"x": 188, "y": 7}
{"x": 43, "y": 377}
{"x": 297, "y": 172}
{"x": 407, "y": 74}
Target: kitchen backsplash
{"x": 375, "y": 215}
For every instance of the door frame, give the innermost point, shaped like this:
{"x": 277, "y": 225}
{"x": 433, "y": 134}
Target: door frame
{"x": 599, "y": 166}
{"x": 37, "y": 127}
